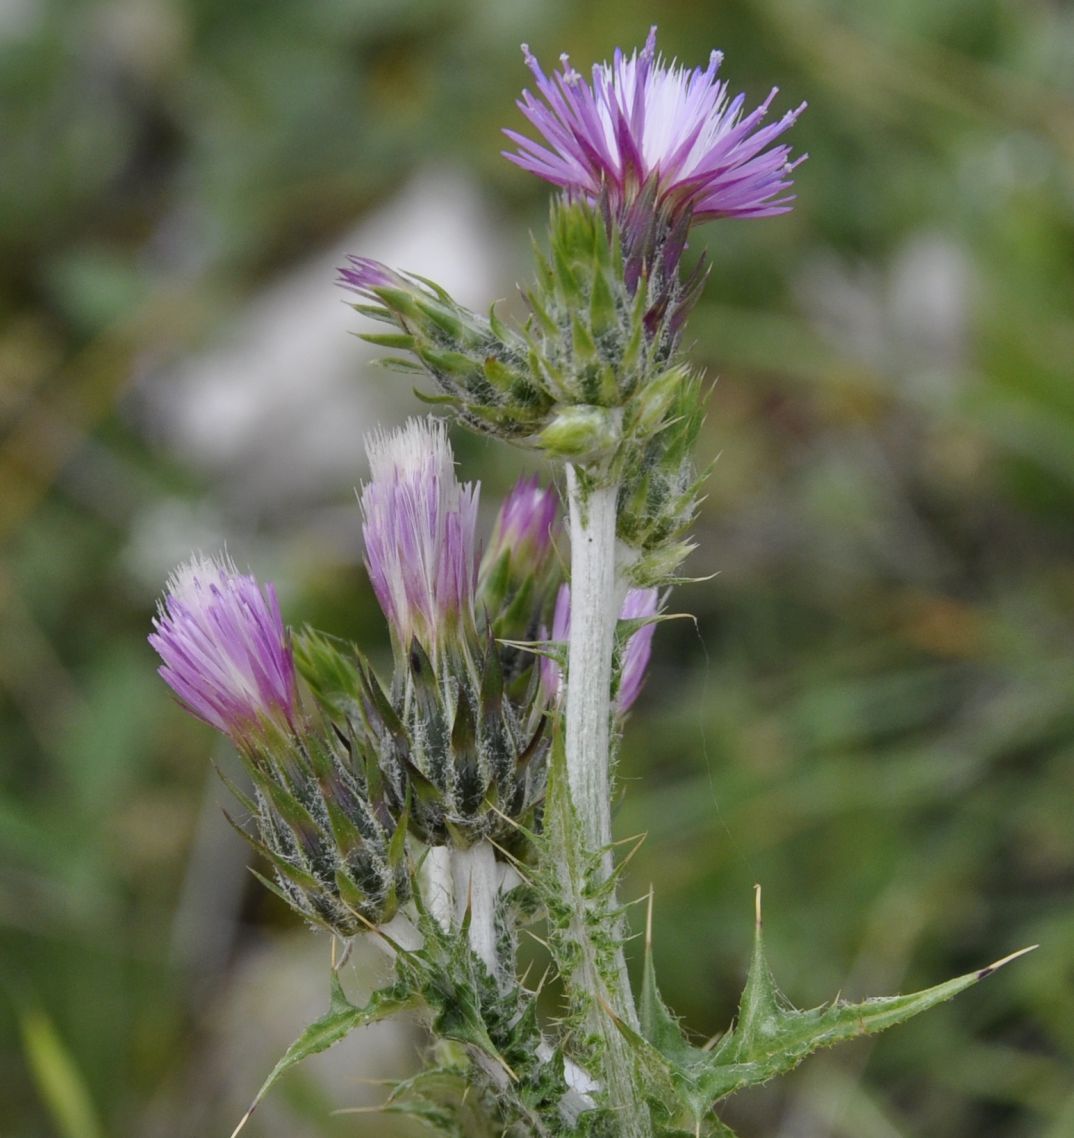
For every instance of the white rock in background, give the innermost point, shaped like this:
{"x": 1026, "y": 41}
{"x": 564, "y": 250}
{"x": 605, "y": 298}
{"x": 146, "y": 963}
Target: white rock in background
{"x": 275, "y": 413}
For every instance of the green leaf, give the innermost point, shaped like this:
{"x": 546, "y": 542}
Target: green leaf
{"x": 770, "y": 1038}
{"x": 658, "y": 1025}
{"x": 57, "y": 1077}
{"x": 337, "y": 1023}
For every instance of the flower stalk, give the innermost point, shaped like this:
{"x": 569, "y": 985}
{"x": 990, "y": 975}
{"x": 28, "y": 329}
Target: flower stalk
{"x": 597, "y": 592}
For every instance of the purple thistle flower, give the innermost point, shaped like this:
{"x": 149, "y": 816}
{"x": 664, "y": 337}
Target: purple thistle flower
{"x": 637, "y": 604}
{"x": 225, "y": 651}
{"x": 644, "y": 120}
{"x": 419, "y": 533}
{"x": 525, "y": 522}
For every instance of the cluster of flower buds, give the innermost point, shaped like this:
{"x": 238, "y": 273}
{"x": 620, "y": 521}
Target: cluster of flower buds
{"x": 453, "y": 748}
{"x": 461, "y": 732}
{"x": 642, "y": 151}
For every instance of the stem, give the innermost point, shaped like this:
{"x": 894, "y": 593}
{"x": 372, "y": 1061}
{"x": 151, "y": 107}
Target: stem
{"x": 596, "y": 595}
{"x": 477, "y": 885}
{"x": 439, "y": 886}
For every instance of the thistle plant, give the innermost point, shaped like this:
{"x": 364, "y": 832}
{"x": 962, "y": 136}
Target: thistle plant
{"x": 466, "y": 796}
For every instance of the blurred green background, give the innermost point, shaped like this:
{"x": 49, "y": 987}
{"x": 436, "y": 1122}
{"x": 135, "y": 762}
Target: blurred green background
{"x": 873, "y": 715}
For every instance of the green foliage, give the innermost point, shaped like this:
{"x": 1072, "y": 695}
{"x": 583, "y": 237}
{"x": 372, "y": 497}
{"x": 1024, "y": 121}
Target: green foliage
{"x": 462, "y": 761}
{"x": 769, "y": 1038}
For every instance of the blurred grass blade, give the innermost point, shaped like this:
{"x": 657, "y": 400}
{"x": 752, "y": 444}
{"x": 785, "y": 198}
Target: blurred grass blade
{"x": 58, "y": 1080}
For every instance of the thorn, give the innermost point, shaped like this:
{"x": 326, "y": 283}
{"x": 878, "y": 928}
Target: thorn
{"x": 710, "y": 1043}
{"x": 544, "y": 980}
{"x": 542, "y": 943}
{"x": 511, "y": 822}
{"x": 757, "y": 905}
{"x": 503, "y": 1063}
{"x": 515, "y": 863}
{"x": 345, "y": 953}
{"x": 1006, "y": 960}
{"x": 379, "y": 932}
{"x": 639, "y": 840}
{"x": 649, "y": 922}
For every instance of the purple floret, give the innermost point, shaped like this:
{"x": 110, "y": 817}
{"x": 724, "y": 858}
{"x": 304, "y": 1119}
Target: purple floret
{"x": 639, "y": 603}
{"x": 223, "y": 646}
{"x": 643, "y": 118}
{"x": 420, "y": 533}
{"x": 526, "y": 519}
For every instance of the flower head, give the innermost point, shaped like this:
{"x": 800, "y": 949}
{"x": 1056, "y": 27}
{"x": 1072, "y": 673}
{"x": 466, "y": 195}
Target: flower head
{"x": 419, "y": 532}
{"x": 638, "y": 604}
{"x": 517, "y": 573}
{"x": 525, "y": 522}
{"x": 648, "y": 124}
{"x": 224, "y": 648}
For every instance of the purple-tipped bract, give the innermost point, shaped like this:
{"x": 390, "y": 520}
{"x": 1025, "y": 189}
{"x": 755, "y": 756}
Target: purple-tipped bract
{"x": 365, "y": 274}
{"x": 419, "y": 531}
{"x": 224, "y": 648}
{"x": 645, "y": 119}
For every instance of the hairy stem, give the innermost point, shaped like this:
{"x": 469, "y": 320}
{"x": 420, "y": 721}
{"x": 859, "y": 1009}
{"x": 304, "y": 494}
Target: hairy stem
{"x": 596, "y": 595}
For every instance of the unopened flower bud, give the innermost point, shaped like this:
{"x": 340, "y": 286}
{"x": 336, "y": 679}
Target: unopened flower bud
{"x": 524, "y": 524}
{"x": 582, "y": 433}
{"x": 513, "y": 578}
{"x": 419, "y": 533}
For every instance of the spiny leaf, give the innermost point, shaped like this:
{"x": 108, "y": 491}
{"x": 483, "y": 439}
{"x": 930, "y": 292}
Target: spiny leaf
{"x": 777, "y": 1038}
{"x": 658, "y": 1025}
{"x": 338, "y": 1022}
{"x": 770, "y": 1038}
